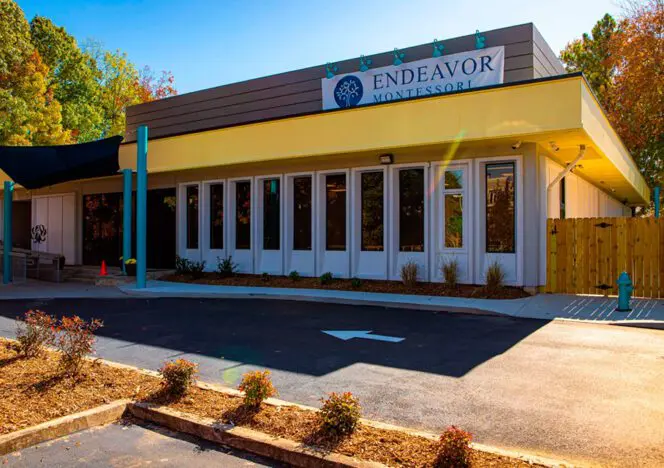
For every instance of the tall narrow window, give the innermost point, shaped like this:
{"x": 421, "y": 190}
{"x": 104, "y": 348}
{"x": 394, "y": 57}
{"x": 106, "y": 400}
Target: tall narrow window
{"x": 271, "y": 214}
{"x": 453, "y": 206}
{"x": 217, "y": 216}
{"x": 372, "y": 211}
{"x": 562, "y": 198}
{"x": 192, "y": 217}
{"x": 411, "y": 210}
{"x": 243, "y": 215}
{"x": 302, "y": 213}
{"x": 335, "y": 211}
{"x": 500, "y": 216}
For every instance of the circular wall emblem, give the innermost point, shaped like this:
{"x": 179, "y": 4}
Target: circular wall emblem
{"x": 348, "y": 91}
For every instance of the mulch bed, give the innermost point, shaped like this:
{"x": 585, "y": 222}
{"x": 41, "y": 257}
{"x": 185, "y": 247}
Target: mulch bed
{"x": 389, "y": 447}
{"x": 33, "y": 391}
{"x": 377, "y": 286}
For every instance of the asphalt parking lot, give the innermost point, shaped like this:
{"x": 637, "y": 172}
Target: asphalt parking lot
{"x": 581, "y": 392}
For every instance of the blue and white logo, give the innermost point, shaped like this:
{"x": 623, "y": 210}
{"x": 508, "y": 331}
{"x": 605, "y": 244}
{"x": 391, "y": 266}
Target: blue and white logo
{"x": 348, "y": 92}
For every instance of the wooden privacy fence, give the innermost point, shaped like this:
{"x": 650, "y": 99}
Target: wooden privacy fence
{"x": 586, "y": 255}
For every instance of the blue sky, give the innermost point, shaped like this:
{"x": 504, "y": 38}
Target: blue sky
{"x": 208, "y": 43}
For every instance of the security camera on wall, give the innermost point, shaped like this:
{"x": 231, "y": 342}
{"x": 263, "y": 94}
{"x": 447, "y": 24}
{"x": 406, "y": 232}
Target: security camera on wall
{"x": 516, "y": 145}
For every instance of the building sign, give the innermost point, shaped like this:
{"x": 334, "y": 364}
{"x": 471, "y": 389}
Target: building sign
{"x": 427, "y": 77}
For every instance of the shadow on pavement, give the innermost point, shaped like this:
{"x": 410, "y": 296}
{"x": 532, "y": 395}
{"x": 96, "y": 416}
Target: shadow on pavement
{"x": 287, "y": 335}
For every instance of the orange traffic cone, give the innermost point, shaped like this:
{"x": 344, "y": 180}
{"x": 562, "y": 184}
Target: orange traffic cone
{"x": 103, "y": 271}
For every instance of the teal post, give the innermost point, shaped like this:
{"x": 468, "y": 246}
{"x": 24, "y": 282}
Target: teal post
{"x": 656, "y": 197}
{"x": 126, "y": 217}
{"x": 141, "y": 206}
{"x": 7, "y": 254}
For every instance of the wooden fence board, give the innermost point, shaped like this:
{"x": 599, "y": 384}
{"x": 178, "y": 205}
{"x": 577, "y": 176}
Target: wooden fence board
{"x": 586, "y": 256}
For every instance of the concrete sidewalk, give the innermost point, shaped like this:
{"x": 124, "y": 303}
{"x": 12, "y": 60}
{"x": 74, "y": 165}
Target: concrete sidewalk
{"x": 646, "y": 312}
{"x": 541, "y": 306}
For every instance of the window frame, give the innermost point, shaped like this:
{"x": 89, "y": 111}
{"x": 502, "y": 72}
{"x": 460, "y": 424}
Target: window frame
{"x": 289, "y": 210}
{"x": 232, "y": 195}
{"x": 516, "y": 183}
{"x": 463, "y": 191}
{"x": 207, "y": 206}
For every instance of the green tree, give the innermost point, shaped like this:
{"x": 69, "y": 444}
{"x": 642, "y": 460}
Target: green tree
{"x": 623, "y": 63}
{"x": 592, "y": 55}
{"x": 29, "y": 112}
{"x": 74, "y": 77}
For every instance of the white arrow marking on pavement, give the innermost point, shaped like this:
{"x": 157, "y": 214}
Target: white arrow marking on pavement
{"x": 350, "y": 334}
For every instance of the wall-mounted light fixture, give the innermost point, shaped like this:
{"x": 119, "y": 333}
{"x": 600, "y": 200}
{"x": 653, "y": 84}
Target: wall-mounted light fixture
{"x": 387, "y": 158}
{"x": 364, "y": 63}
{"x": 480, "y": 41}
{"x": 330, "y": 70}
{"x": 553, "y": 146}
{"x": 398, "y": 57}
{"x": 438, "y": 48}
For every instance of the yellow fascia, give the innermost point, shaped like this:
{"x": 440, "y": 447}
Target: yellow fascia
{"x": 527, "y": 109}
{"x": 608, "y": 143}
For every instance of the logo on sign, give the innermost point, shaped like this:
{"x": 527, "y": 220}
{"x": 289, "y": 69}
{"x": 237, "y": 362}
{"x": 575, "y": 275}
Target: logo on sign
{"x": 349, "y": 91}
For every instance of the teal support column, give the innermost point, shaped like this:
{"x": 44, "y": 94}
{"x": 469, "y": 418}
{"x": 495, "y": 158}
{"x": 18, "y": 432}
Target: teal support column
{"x": 7, "y": 234}
{"x": 656, "y": 197}
{"x": 141, "y": 206}
{"x": 126, "y": 217}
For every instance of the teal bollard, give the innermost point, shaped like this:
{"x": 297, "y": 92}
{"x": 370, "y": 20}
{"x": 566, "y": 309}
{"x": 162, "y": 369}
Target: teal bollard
{"x": 625, "y": 288}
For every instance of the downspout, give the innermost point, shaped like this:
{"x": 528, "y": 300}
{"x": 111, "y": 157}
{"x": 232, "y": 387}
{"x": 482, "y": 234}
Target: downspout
{"x": 567, "y": 170}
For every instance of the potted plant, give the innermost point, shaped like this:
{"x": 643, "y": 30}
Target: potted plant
{"x": 130, "y": 266}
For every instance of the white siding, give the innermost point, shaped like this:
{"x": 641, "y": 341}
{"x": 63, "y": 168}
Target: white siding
{"x": 583, "y": 199}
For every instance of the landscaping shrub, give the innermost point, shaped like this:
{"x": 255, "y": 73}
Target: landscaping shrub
{"x": 226, "y": 267}
{"x": 184, "y": 266}
{"x": 495, "y": 277}
{"x": 450, "y": 272}
{"x": 196, "y": 269}
{"x": 35, "y": 332}
{"x": 265, "y": 277}
{"x": 257, "y": 386}
{"x": 339, "y": 414}
{"x": 356, "y": 283}
{"x": 409, "y": 273}
{"x": 326, "y": 278}
{"x": 178, "y": 376}
{"x": 454, "y": 449}
{"x": 75, "y": 339}
{"x": 294, "y": 275}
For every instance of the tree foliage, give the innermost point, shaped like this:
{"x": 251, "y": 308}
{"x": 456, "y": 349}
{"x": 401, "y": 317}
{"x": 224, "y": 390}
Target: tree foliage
{"x": 53, "y": 92}
{"x": 624, "y": 63}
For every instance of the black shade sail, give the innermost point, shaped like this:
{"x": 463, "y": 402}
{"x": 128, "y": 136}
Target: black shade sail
{"x": 35, "y": 167}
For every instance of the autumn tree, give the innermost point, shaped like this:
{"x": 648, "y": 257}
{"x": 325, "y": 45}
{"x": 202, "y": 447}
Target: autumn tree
{"x": 29, "y": 112}
{"x": 623, "y": 62}
{"x": 74, "y": 76}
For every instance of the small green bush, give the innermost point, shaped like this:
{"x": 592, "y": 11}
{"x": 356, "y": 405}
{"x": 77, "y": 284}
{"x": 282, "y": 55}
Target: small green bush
{"x": 356, "y": 283}
{"x": 226, "y": 267}
{"x": 265, "y": 277}
{"x": 495, "y": 277}
{"x": 178, "y": 376}
{"x": 326, "y": 278}
{"x": 409, "y": 273}
{"x": 257, "y": 386}
{"x": 35, "y": 333}
{"x": 181, "y": 265}
{"x": 339, "y": 414}
{"x": 450, "y": 272}
{"x": 454, "y": 449}
{"x": 294, "y": 275}
{"x": 197, "y": 269}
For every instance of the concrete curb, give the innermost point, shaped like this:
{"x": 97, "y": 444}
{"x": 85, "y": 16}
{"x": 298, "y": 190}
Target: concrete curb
{"x": 62, "y": 426}
{"x": 324, "y": 299}
{"x": 241, "y": 438}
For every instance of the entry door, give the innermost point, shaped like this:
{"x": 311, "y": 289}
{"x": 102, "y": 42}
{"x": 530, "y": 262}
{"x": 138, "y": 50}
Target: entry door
{"x": 189, "y": 212}
{"x": 500, "y": 208}
{"x": 241, "y": 222}
{"x": 368, "y": 223}
{"x": 57, "y": 213}
{"x": 269, "y": 242}
{"x": 214, "y": 223}
{"x": 299, "y": 218}
{"x": 452, "y": 220}
{"x": 333, "y": 223}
